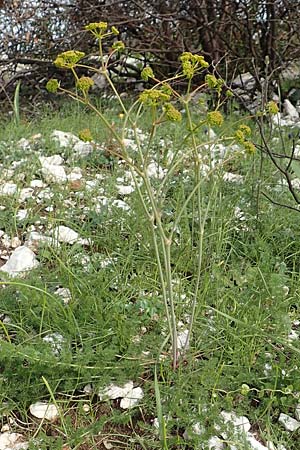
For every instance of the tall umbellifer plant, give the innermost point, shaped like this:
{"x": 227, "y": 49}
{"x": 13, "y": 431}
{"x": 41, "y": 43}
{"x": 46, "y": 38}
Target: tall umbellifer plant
{"x": 162, "y": 101}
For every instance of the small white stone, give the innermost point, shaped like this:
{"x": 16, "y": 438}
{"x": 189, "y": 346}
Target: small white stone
{"x": 297, "y": 411}
{"x": 290, "y": 110}
{"x": 215, "y": 443}
{"x": 35, "y": 239}
{"x": 293, "y": 335}
{"x": 25, "y": 193}
{"x": 241, "y": 423}
{"x": 22, "y": 214}
{"x": 182, "y": 340}
{"x": 289, "y": 423}
{"x": 233, "y": 177}
{"x": 37, "y": 184}
{"x": 64, "y": 139}
{"x": 132, "y": 398}
{"x": 54, "y": 160}
{"x": 255, "y": 444}
{"x": 88, "y": 389}
{"x": 42, "y": 410}
{"x": 86, "y": 408}
{"x": 21, "y": 260}
{"x": 8, "y": 189}
{"x": 75, "y": 174}
{"x": 55, "y": 174}
{"x": 125, "y": 190}
{"x": 65, "y": 294}
{"x": 15, "y": 242}
{"x": 65, "y": 234}
{"x": 12, "y": 441}
{"x": 155, "y": 171}
{"x": 56, "y": 341}
{"x": 120, "y": 204}
{"x": 82, "y": 149}
{"x": 112, "y": 391}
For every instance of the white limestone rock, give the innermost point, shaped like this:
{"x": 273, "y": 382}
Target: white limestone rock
{"x": 21, "y": 261}
{"x": 52, "y": 169}
{"x": 75, "y": 174}
{"x": 215, "y": 443}
{"x": 82, "y": 149}
{"x": 35, "y": 239}
{"x": 240, "y": 424}
{"x": 8, "y": 189}
{"x": 12, "y": 441}
{"x": 42, "y": 410}
{"x": 290, "y": 110}
{"x": 65, "y": 294}
{"x": 56, "y": 341}
{"x": 154, "y": 170}
{"x": 289, "y": 423}
{"x": 129, "y": 395}
{"x": 66, "y": 235}
{"x": 132, "y": 398}
{"x": 297, "y": 412}
{"x": 64, "y": 139}
{"x": 113, "y": 392}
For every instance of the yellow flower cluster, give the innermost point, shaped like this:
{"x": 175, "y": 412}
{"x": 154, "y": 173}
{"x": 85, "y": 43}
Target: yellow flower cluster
{"x": 147, "y": 73}
{"x": 85, "y": 135}
{"x": 84, "y": 84}
{"x": 52, "y": 85}
{"x": 118, "y": 46}
{"x": 241, "y": 136}
{"x": 153, "y": 97}
{"x": 191, "y": 63}
{"x": 215, "y": 118}
{"x": 214, "y": 83}
{"x": 272, "y": 108}
{"x": 172, "y": 113}
{"x": 96, "y": 26}
{"x": 68, "y": 59}
{"x": 100, "y": 29}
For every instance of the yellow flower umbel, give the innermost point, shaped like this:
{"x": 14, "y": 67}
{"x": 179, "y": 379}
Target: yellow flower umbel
{"x": 172, "y": 113}
{"x": 100, "y": 29}
{"x": 241, "y": 136}
{"x": 215, "y": 118}
{"x": 69, "y": 59}
{"x": 84, "y": 84}
{"x": 153, "y": 97}
{"x": 272, "y": 108}
{"x": 192, "y": 63}
{"x": 52, "y": 85}
{"x": 118, "y": 46}
{"x": 147, "y": 73}
{"x": 85, "y": 135}
{"x": 214, "y": 83}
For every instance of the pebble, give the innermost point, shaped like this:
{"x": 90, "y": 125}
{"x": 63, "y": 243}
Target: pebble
{"x": 42, "y": 410}
{"x": 289, "y": 423}
{"x": 21, "y": 260}
{"x": 64, "y": 139}
{"x": 12, "y": 441}
{"x": 129, "y": 395}
{"x": 8, "y": 189}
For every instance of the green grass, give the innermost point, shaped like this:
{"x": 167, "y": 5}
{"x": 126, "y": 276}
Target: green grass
{"x": 243, "y": 313}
